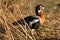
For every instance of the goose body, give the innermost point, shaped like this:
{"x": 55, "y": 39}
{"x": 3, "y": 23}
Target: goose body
{"x": 35, "y": 22}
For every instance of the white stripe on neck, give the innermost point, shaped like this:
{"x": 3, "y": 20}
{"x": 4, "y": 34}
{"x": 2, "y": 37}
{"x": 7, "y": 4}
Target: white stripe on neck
{"x": 39, "y": 11}
{"x": 39, "y": 17}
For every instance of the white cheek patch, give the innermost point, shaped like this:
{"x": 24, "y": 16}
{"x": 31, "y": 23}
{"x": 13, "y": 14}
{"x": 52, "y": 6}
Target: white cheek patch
{"x": 34, "y": 21}
{"x": 42, "y": 7}
{"x": 39, "y": 11}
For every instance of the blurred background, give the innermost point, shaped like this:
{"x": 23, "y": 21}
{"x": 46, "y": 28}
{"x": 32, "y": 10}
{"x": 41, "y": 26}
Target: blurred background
{"x": 13, "y": 10}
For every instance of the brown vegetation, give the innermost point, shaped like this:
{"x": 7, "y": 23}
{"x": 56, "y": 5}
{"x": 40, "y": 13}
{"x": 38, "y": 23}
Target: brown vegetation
{"x": 13, "y": 10}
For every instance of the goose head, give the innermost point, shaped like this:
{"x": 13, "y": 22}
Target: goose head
{"x": 39, "y": 12}
{"x": 38, "y": 9}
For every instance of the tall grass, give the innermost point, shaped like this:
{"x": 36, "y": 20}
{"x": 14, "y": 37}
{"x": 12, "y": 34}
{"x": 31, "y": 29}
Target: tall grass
{"x": 13, "y": 10}
{"x": 13, "y": 33}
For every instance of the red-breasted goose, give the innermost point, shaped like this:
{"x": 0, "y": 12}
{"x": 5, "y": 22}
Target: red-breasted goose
{"x": 34, "y": 22}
